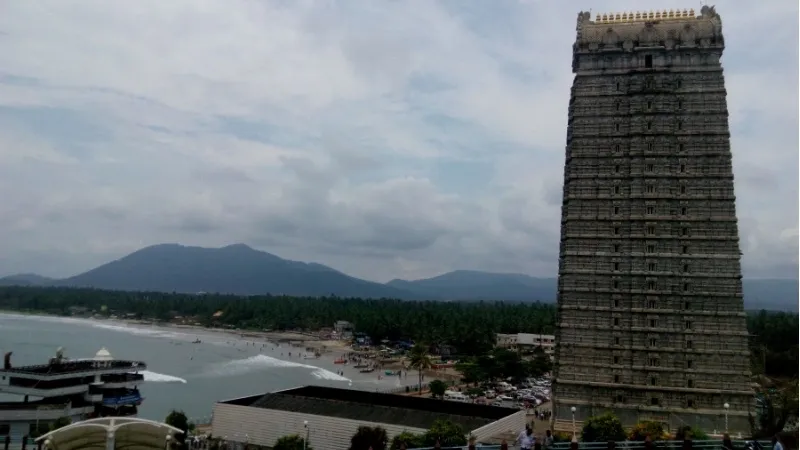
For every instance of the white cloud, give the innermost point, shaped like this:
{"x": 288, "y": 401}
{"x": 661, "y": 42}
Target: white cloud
{"x": 386, "y": 139}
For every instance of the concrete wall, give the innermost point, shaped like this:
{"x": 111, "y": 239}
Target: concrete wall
{"x": 264, "y": 426}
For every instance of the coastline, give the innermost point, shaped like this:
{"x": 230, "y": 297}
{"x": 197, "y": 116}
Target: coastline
{"x": 329, "y": 350}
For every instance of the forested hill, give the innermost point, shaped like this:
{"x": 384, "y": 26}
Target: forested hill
{"x": 470, "y": 326}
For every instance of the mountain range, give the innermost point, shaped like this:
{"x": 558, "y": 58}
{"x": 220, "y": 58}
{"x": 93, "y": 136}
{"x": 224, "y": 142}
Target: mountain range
{"x": 241, "y": 270}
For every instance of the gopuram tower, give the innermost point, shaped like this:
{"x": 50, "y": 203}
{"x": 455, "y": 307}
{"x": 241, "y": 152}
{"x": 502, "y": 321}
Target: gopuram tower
{"x": 651, "y": 323}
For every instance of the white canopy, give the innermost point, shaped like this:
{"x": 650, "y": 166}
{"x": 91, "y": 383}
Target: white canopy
{"x": 130, "y": 433}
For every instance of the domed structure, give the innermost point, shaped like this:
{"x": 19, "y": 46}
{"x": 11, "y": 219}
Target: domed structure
{"x": 110, "y": 432}
{"x": 103, "y": 355}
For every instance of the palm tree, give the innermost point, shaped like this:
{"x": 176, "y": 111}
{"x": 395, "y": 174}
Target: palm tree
{"x": 420, "y": 360}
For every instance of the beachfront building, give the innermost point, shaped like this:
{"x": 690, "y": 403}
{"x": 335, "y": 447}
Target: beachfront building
{"x": 343, "y": 329}
{"x": 526, "y": 342}
{"x": 66, "y": 389}
{"x": 329, "y": 416}
{"x": 651, "y": 321}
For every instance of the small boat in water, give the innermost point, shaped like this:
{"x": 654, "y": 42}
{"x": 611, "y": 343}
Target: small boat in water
{"x": 369, "y": 370}
{"x": 196, "y": 341}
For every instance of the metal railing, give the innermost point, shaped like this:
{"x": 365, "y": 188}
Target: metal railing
{"x": 710, "y": 444}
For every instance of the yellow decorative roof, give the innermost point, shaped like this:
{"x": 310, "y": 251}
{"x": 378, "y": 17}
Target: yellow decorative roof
{"x": 641, "y": 16}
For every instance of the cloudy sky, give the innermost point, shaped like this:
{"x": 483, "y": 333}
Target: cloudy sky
{"x": 393, "y": 138}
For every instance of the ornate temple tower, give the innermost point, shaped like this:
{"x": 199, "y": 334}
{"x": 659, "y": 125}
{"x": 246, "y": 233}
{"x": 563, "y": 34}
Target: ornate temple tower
{"x": 651, "y": 321}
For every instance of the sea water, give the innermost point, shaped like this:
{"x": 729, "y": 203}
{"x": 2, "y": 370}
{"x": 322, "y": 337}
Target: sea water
{"x": 181, "y": 374}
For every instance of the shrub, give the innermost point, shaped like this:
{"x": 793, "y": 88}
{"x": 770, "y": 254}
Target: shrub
{"x": 561, "y": 436}
{"x": 366, "y": 438}
{"x": 690, "y": 432}
{"x": 410, "y": 440}
{"x": 291, "y": 442}
{"x": 603, "y": 428}
{"x": 647, "y": 428}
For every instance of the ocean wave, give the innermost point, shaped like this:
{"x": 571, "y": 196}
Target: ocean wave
{"x": 260, "y": 362}
{"x": 155, "y": 377}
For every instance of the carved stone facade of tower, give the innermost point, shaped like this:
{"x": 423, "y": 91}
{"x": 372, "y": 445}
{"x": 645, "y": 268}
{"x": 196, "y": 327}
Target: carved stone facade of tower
{"x": 651, "y": 322}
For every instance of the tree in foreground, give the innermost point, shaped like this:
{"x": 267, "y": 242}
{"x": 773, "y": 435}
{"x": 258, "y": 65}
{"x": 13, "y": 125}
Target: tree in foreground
{"x": 444, "y": 432}
{"x": 419, "y": 360}
{"x": 178, "y": 420}
{"x": 366, "y": 438}
{"x": 291, "y": 442}
{"x": 438, "y": 388}
{"x": 603, "y": 428}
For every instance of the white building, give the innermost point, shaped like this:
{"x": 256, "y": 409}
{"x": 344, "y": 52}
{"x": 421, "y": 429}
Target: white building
{"x": 329, "y": 417}
{"x": 527, "y": 341}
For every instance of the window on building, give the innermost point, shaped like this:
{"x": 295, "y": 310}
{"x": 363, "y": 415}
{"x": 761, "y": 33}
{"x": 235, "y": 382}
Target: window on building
{"x": 649, "y": 125}
{"x": 616, "y": 247}
{"x": 616, "y": 231}
{"x": 685, "y": 249}
{"x": 653, "y": 342}
{"x": 616, "y": 168}
{"x": 653, "y": 323}
{"x": 618, "y": 86}
{"x": 650, "y": 188}
{"x": 651, "y": 210}
{"x": 689, "y": 344}
{"x": 616, "y": 360}
{"x": 649, "y": 105}
{"x": 651, "y": 304}
{"x": 616, "y": 266}
{"x": 690, "y": 403}
{"x": 690, "y": 383}
{"x": 648, "y": 61}
{"x": 653, "y": 362}
{"x": 616, "y": 210}
{"x": 616, "y": 378}
{"x": 679, "y": 84}
{"x": 616, "y": 321}
{"x": 689, "y": 364}
{"x": 616, "y": 340}
{"x": 687, "y": 305}
{"x": 616, "y": 127}
{"x": 683, "y": 210}
{"x": 654, "y": 401}
{"x": 649, "y": 168}
{"x": 616, "y": 303}
{"x": 651, "y": 230}
{"x": 651, "y": 248}
{"x": 683, "y": 189}
{"x": 684, "y": 231}
{"x": 680, "y": 125}
{"x": 685, "y": 268}
{"x": 650, "y": 146}
{"x": 685, "y": 287}
{"x": 680, "y": 147}
{"x": 682, "y": 168}
{"x": 616, "y": 189}
{"x": 618, "y": 105}
{"x": 651, "y": 285}
{"x": 617, "y": 146}
{"x": 680, "y": 104}
{"x": 651, "y": 266}
{"x": 5, "y": 429}
{"x": 615, "y": 284}
{"x": 620, "y": 399}
{"x": 653, "y": 381}
{"x": 687, "y": 325}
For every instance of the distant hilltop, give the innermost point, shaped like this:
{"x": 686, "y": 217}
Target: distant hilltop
{"x": 241, "y": 270}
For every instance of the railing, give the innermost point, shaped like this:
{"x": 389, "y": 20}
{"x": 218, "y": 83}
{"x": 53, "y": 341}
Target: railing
{"x": 715, "y": 444}
{"x": 76, "y": 366}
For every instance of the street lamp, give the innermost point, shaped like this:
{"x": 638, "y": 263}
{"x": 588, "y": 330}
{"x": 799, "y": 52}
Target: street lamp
{"x": 573, "y": 424}
{"x": 305, "y": 441}
{"x": 726, "y": 406}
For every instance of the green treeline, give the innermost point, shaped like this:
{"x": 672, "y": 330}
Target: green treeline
{"x": 468, "y": 326}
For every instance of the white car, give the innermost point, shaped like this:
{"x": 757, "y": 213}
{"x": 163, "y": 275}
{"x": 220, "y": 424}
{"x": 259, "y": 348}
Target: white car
{"x": 505, "y": 398}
